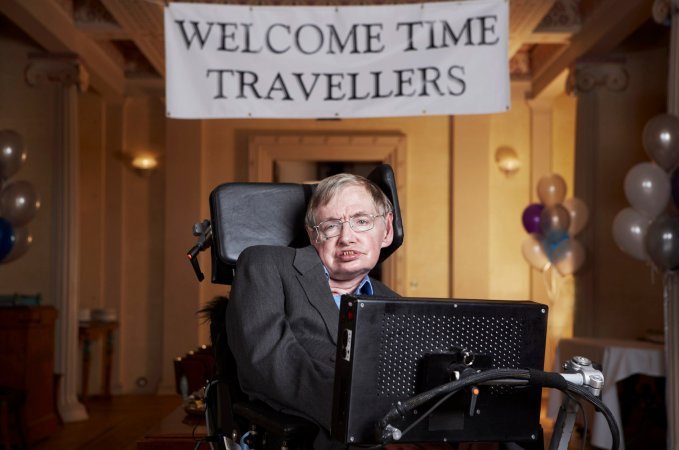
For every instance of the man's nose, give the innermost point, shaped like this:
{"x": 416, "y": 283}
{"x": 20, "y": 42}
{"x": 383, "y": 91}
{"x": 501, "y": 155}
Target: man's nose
{"x": 346, "y": 232}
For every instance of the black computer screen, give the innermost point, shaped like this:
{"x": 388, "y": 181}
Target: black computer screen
{"x": 391, "y": 349}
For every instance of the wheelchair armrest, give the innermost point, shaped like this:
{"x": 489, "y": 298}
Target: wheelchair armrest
{"x": 280, "y": 424}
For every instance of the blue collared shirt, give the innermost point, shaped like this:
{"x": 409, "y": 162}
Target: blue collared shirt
{"x": 364, "y": 288}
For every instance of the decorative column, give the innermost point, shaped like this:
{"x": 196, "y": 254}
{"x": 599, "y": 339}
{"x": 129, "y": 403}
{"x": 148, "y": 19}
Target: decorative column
{"x": 67, "y": 75}
{"x": 665, "y": 11}
{"x": 541, "y": 119}
{"x": 585, "y": 81}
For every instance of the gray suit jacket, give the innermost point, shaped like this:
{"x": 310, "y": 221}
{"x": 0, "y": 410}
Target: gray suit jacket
{"x": 282, "y": 329}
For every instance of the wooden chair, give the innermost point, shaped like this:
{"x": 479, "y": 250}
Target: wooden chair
{"x": 11, "y": 404}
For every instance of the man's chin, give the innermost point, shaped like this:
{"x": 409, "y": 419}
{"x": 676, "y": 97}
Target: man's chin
{"x": 345, "y": 273}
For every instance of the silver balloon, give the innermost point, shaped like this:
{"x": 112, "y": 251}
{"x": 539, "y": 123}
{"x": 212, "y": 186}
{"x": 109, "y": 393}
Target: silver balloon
{"x": 629, "y": 232}
{"x": 22, "y": 241}
{"x": 647, "y": 188}
{"x": 661, "y": 140}
{"x": 12, "y": 153}
{"x": 18, "y": 203}
{"x": 662, "y": 242}
{"x": 554, "y": 222}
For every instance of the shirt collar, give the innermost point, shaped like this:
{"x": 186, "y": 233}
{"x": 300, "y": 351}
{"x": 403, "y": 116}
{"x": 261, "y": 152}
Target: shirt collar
{"x": 365, "y": 287}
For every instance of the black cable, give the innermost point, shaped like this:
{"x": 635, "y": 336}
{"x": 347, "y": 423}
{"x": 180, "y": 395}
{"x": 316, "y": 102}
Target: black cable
{"x": 584, "y": 417}
{"x": 546, "y": 379}
{"x": 477, "y": 378}
{"x": 427, "y": 413}
{"x": 600, "y": 407}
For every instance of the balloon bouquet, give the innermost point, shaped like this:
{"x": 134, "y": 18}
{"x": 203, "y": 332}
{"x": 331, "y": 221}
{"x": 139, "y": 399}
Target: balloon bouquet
{"x": 645, "y": 230}
{"x": 552, "y": 225}
{"x": 18, "y": 200}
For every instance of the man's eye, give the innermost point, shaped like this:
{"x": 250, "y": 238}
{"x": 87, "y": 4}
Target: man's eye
{"x": 362, "y": 220}
{"x": 329, "y": 227}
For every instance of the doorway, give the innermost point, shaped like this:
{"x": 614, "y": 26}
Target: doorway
{"x": 307, "y": 157}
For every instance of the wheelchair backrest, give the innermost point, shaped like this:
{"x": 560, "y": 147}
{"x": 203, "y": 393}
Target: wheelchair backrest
{"x": 247, "y": 214}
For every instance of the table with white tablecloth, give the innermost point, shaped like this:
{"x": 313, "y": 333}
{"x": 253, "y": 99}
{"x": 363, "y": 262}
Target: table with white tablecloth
{"x": 619, "y": 359}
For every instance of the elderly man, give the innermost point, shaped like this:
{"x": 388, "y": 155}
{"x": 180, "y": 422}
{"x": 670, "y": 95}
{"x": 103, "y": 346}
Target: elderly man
{"x": 283, "y": 314}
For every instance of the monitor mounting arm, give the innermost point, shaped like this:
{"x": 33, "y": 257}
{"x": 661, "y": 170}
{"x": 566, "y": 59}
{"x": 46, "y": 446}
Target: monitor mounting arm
{"x": 580, "y": 371}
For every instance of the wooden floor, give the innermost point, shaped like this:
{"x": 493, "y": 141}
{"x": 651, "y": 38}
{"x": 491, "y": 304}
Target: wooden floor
{"x": 114, "y": 424}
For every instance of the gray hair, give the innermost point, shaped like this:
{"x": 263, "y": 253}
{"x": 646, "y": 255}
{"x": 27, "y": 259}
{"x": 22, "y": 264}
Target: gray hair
{"x": 329, "y": 187}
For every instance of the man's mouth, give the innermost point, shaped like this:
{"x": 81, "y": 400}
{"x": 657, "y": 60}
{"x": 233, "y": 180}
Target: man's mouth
{"x": 348, "y": 254}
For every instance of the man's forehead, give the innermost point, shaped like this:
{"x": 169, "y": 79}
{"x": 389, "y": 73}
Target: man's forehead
{"x": 352, "y": 197}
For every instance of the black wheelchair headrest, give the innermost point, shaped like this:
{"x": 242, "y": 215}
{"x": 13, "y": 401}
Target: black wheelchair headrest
{"x": 247, "y": 214}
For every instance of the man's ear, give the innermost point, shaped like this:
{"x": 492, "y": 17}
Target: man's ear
{"x": 312, "y": 235}
{"x": 389, "y": 228}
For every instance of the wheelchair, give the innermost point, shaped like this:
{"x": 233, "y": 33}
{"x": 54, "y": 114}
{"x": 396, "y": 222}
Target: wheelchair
{"x": 240, "y": 217}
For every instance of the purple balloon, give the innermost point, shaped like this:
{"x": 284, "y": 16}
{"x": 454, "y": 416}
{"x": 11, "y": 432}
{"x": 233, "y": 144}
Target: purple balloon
{"x": 531, "y": 218}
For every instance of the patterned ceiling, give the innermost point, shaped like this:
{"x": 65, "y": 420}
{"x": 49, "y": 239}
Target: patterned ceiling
{"x": 126, "y": 36}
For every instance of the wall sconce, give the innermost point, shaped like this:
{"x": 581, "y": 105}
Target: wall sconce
{"x": 144, "y": 163}
{"x": 507, "y": 160}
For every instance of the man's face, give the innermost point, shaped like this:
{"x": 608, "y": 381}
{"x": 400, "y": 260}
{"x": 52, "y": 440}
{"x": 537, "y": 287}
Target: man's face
{"x": 352, "y": 254}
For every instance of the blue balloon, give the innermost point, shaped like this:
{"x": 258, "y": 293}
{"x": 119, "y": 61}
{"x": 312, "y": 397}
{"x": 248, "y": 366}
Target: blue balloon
{"x": 6, "y": 238}
{"x": 551, "y": 244}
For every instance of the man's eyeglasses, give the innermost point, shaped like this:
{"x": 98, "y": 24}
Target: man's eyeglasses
{"x": 360, "y": 223}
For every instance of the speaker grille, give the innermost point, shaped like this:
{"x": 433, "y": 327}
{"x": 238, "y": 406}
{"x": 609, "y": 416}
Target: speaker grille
{"x": 405, "y": 338}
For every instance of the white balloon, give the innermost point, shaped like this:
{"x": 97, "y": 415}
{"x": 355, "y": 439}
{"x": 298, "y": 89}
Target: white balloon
{"x": 534, "y": 252}
{"x": 647, "y": 188}
{"x": 629, "y": 232}
{"x": 579, "y": 214}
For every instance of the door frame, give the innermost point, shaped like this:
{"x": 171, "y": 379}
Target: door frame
{"x": 265, "y": 149}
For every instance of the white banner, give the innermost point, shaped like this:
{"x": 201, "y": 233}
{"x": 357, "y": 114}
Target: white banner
{"x": 228, "y": 61}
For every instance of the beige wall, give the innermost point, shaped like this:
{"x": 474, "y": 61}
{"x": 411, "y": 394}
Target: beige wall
{"x": 488, "y": 204}
{"x": 182, "y": 200}
{"x": 143, "y": 251}
{"x": 121, "y": 241}
{"x": 508, "y": 275}
{"x": 135, "y": 230}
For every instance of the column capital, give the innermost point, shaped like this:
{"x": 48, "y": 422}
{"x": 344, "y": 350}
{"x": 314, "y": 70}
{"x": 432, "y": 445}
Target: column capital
{"x": 663, "y": 11}
{"x": 587, "y": 76}
{"x": 65, "y": 69}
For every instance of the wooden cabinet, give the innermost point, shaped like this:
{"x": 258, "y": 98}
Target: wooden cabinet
{"x": 27, "y": 363}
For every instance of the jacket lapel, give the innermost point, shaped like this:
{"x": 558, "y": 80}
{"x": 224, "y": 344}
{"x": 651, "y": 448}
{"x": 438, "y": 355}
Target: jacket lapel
{"x": 315, "y": 284}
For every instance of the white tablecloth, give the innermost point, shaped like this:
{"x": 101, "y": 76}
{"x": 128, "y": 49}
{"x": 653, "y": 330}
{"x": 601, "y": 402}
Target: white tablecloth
{"x": 619, "y": 359}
